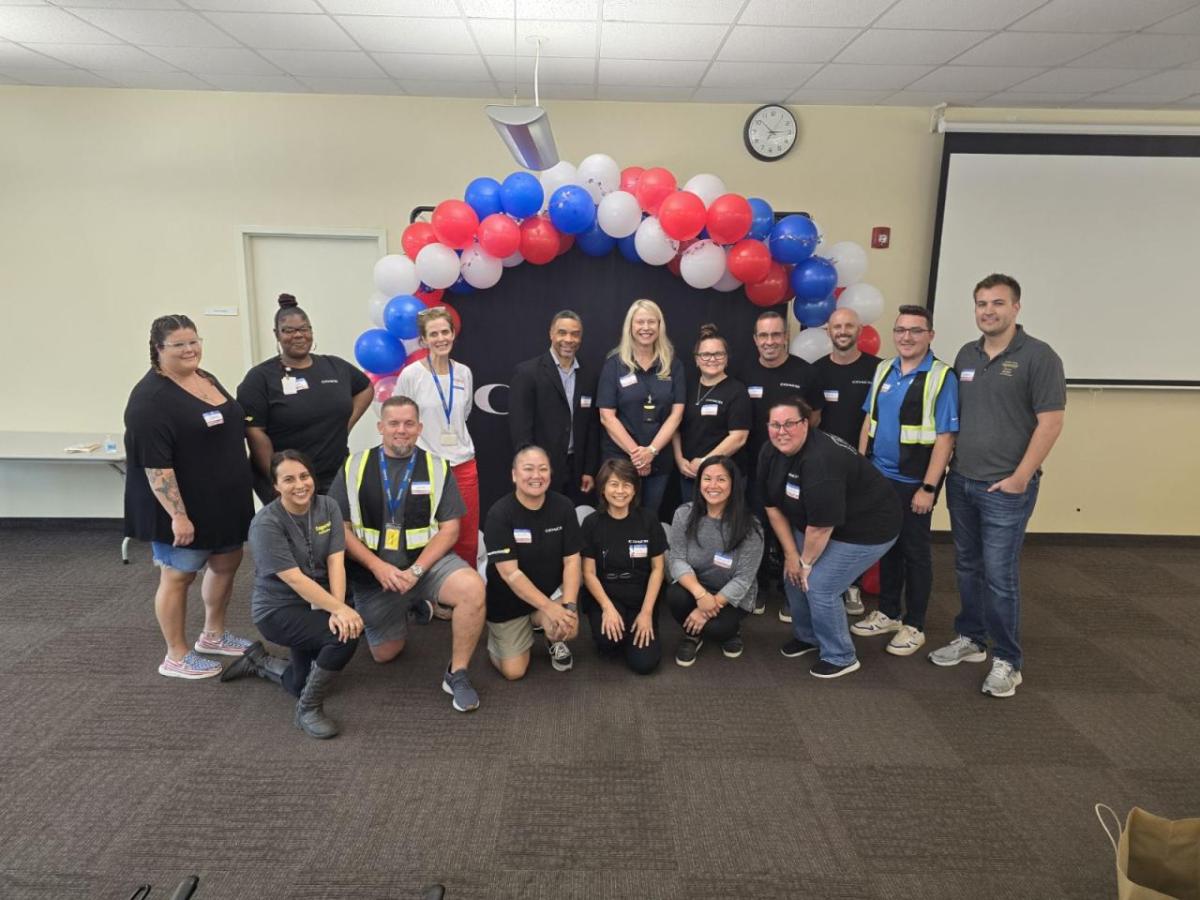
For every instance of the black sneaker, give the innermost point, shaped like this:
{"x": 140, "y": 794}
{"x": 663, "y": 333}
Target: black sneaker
{"x": 733, "y": 647}
{"x": 687, "y": 651}
{"x": 421, "y": 612}
{"x": 796, "y": 647}
{"x": 760, "y": 603}
{"x": 825, "y": 669}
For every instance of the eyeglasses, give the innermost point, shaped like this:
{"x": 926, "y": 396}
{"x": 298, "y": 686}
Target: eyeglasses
{"x": 789, "y": 425}
{"x": 289, "y": 330}
{"x": 914, "y": 332}
{"x": 193, "y": 344}
{"x": 711, "y": 357}
{"x": 769, "y": 335}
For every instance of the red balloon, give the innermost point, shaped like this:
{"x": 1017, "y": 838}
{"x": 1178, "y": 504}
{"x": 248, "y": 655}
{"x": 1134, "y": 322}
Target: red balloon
{"x": 729, "y": 218}
{"x": 653, "y": 187}
{"x": 454, "y": 223}
{"x": 416, "y": 236}
{"x": 565, "y": 242}
{"x": 772, "y": 289}
{"x": 673, "y": 263}
{"x": 681, "y": 215}
{"x": 539, "y": 240}
{"x": 749, "y": 261}
{"x": 431, "y": 297}
{"x": 837, "y": 292}
{"x": 870, "y": 580}
{"x": 418, "y": 354}
{"x": 629, "y": 178}
{"x": 454, "y": 317}
{"x": 499, "y": 235}
{"x": 868, "y": 340}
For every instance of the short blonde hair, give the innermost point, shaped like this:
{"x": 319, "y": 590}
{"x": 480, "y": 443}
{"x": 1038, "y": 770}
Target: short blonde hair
{"x": 664, "y": 352}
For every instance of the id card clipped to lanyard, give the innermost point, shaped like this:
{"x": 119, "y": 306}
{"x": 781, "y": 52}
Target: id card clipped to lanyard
{"x": 449, "y": 438}
{"x": 391, "y": 529}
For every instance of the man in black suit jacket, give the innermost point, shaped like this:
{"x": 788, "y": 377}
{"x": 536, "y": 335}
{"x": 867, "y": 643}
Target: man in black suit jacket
{"x": 540, "y": 410}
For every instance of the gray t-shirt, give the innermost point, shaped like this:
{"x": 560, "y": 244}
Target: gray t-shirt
{"x": 733, "y": 573}
{"x": 999, "y": 400}
{"x": 280, "y": 541}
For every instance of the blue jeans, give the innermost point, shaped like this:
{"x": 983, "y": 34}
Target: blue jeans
{"x": 653, "y": 488}
{"x": 818, "y": 616}
{"x": 989, "y": 530}
{"x": 687, "y": 488}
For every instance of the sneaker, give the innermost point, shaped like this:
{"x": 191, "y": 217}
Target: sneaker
{"x": 825, "y": 669}
{"x": 421, "y": 612}
{"x": 687, "y": 651}
{"x": 225, "y": 645}
{"x": 560, "y": 656}
{"x": 852, "y": 600}
{"x": 961, "y": 649}
{"x": 760, "y": 602}
{"x": 1002, "y": 681}
{"x": 733, "y": 647}
{"x": 796, "y": 647}
{"x": 785, "y": 612}
{"x": 458, "y": 685}
{"x": 874, "y": 624}
{"x": 442, "y": 612}
{"x": 191, "y": 666}
{"x": 906, "y": 641}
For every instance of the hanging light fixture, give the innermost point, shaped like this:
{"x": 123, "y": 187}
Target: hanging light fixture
{"x": 525, "y": 130}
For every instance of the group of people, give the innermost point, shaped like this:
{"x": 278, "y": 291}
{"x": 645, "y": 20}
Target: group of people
{"x": 793, "y": 475}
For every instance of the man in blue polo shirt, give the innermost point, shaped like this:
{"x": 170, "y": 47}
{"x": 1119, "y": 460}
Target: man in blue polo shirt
{"x": 912, "y": 418}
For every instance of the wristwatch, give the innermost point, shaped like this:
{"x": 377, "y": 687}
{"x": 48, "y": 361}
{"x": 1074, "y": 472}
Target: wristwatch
{"x": 416, "y": 570}
{"x": 929, "y": 488}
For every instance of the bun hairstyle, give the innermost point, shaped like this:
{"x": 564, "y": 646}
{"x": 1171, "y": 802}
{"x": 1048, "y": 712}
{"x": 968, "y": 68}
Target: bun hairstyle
{"x": 709, "y": 332}
{"x": 288, "y": 306}
{"x": 163, "y": 326}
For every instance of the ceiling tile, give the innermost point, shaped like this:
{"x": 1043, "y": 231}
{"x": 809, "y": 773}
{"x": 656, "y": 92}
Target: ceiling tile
{"x": 495, "y": 37}
{"x": 865, "y": 78}
{"x": 1113, "y": 101}
{"x": 271, "y": 6}
{"x": 421, "y": 8}
{"x": 46, "y": 25}
{"x": 695, "y": 12}
{"x": 159, "y": 81}
{"x": 552, "y": 70}
{"x": 588, "y": 10}
{"x": 814, "y": 97}
{"x": 1184, "y": 23}
{"x": 284, "y": 31}
{"x": 216, "y": 60}
{"x": 642, "y": 93}
{"x": 621, "y": 40}
{"x": 118, "y": 4}
{"x": 5, "y": 79}
{"x": 1011, "y": 49}
{"x": 56, "y": 77}
{"x": 974, "y": 78}
{"x": 1099, "y": 15}
{"x": 813, "y": 13}
{"x": 762, "y": 93}
{"x": 16, "y": 55}
{"x": 484, "y": 90}
{"x": 434, "y": 66}
{"x": 891, "y": 46}
{"x": 1020, "y": 98}
{"x": 779, "y": 78}
{"x": 158, "y": 28}
{"x": 562, "y": 91}
{"x": 1192, "y": 102}
{"x": 1146, "y": 51}
{"x": 396, "y": 35}
{"x": 325, "y": 63}
{"x": 1079, "y": 79}
{"x": 933, "y": 98}
{"x": 275, "y": 84}
{"x": 104, "y": 56}
{"x": 352, "y": 85}
{"x": 1177, "y": 81}
{"x": 753, "y": 43}
{"x": 488, "y": 9}
{"x": 955, "y": 14}
{"x": 664, "y": 73}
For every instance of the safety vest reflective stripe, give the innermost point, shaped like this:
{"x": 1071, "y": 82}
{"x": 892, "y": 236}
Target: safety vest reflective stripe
{"x": 926, "y": 432}
{"x": 413, "y": 536}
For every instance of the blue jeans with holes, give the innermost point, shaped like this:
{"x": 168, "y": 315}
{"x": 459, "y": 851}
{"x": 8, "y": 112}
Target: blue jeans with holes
{"x": 988, "y": 531}
{"x": 818, "y": 616}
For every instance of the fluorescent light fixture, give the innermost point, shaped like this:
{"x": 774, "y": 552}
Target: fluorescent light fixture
{"x": 526, "y": 132}
{"x": 1066, "y": 128}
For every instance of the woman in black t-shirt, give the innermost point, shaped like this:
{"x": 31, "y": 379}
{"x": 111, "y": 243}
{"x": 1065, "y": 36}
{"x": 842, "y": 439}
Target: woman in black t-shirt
{"x": 624, "y": 565}
{"x": 187, "y": 491}
{"x": 301, "y": 401}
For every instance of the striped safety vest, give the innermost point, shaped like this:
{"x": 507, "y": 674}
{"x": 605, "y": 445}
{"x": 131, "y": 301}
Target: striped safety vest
{"x": 417, "y": 532}
{"x": 918, "y": 420}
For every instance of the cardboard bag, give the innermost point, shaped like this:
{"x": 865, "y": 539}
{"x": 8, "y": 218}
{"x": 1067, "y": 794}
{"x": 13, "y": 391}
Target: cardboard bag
{"x": 1157, "y": 859}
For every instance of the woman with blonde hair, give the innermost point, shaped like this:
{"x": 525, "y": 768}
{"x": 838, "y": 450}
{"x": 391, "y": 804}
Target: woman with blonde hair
{"x": 641, "y": 395}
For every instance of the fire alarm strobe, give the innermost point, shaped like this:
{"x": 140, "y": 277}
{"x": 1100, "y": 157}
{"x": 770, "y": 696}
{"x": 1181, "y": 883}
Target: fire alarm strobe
{"x": 881, "y": 237}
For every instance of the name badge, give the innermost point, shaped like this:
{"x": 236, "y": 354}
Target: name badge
{"x": 301, "y": 383}
{"x": 793, "y": 491}
{"x": 831, "y": 396}
{"x": 289, "y": 384}
{"x": 585, "y": 402}
{"x": 449, "y": 439}
{"x": 421, "y": 488}
{"x": 709, "y": 409}
{"x": 391, "y": 537}
{"x": 967, "y": 375}
{"x": 639, "y": 549}
{"x": 885, "y": 387}
{"x": 628, "y": 380}
{"x": 522, "y": 535}
{"x": 213, "y": 418}
{"x": 722, "y": 560}
{"x": 755, "y": 392}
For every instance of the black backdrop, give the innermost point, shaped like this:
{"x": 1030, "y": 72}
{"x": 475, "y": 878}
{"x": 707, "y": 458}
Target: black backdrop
{"x": 511, "y": 322}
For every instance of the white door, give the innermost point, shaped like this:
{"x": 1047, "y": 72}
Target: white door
{"x": 331, "y": 278}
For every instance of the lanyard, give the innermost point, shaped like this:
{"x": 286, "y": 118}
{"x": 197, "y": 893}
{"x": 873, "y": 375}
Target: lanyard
{"x": 393, "y": 503}
{"x": 306, "y": 534}
{"x": 447, "y": 405}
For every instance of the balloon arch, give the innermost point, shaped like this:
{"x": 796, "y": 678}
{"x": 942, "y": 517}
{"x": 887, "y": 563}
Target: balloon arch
{"x": 705, "y": 235}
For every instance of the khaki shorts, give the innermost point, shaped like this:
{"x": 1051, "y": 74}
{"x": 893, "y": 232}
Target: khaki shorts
{"x": 511, "y": 638}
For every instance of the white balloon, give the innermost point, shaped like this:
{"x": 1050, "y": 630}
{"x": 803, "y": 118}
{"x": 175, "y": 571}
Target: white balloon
{"x": 437, "y": 265}
{"x": 727, "y": 283}
{"x": 619, "y": 214}
{"x": 707, "y": 187}
{"x": 582, "y": 511}
{"x": 395, "y": 275}
{"x": 850, "y": 260}
{"x": 702, "y": 264}
{"x": 654, "y": 246}
{"x": 514, "y": 260}
{"x": 864, "y": 299}
{"x": 600, "y": 175}
{"x": 478, "y": 269}
{"x": 562, "y": 172}
{"x": 375, "y": 308}
{"x": 811, "y": 344}
{"x": 411, "y": 344}
{"x": 819, "y": 250}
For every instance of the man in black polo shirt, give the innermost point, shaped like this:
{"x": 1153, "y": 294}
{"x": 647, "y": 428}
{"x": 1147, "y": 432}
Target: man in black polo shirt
{"x": 1012, "y": 396}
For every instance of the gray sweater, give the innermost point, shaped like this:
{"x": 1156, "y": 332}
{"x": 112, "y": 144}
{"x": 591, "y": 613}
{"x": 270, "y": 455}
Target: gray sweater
{"x": 737, "y": 583}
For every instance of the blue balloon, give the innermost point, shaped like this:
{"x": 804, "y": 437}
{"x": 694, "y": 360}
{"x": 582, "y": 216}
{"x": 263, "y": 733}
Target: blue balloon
{"x": 461, "y": 287}
{"x": 793, "y": 239}
{"x": 594, "y": 242}
{"x": 813, "y": 313}
{"x": 483, "y": 196}
{"x": 521, "y": 195}
{"x": 628, "y": 248}
{"x": 571, "y": 209}
{"x": 400, "y": 316}
{"x": 814, "y": 278}
{"x": 763, "y": 219}
{"x": 379, "y": 352}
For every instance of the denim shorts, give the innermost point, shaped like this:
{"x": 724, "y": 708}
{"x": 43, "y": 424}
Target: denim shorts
{"x": 185, "y": 559}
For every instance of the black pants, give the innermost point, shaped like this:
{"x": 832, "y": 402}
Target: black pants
{"x": 305, "y": 632}
{"x": 770, "y": 570}
{"x": 642, "y": 660}
{"x": 907, "y": 569}
{"x": 720, "y": 628}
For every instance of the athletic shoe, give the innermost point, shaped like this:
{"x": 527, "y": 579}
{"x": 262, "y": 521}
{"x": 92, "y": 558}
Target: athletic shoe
{"x": 760, "y": 602}
{"x": 825, "y": 669}
{"x": 442, "y": 612}
{"x": 961, "y": 649}
{"x": 560, "y": 656}
{"x": 421, "y": 612}
{"x": 852, "y": 600}
{"x": 875, "y": 624}
{"x": 458, "y": 685}
{"x": 906, "y": 641}
{"x": 785, "y": 612}
{"x": 225, "y": 645}
{"x": 733, "y": 647}
{"x": 688, "y": 649}
{"x": 1002, "y": 681}
{"x": 796, "y": 647}
{"x": 191, "y": 666}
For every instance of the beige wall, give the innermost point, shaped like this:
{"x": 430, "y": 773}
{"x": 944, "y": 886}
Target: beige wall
{"x": 117, "y": 206}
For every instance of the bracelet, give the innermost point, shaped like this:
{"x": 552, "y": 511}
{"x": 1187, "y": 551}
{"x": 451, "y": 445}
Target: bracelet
{"x": 805, "y": 565}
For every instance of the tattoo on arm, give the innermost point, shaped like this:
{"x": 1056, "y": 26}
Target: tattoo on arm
{"x": 166, "y": 490}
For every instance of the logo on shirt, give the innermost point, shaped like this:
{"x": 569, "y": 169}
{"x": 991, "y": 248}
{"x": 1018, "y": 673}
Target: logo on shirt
{"x": 554, "y": 529}
{"x": 323, "y": 528}
{"x": 329, "y": 381}
{"x": 788, "y": 384}
{"x": 1008, "y": 368}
